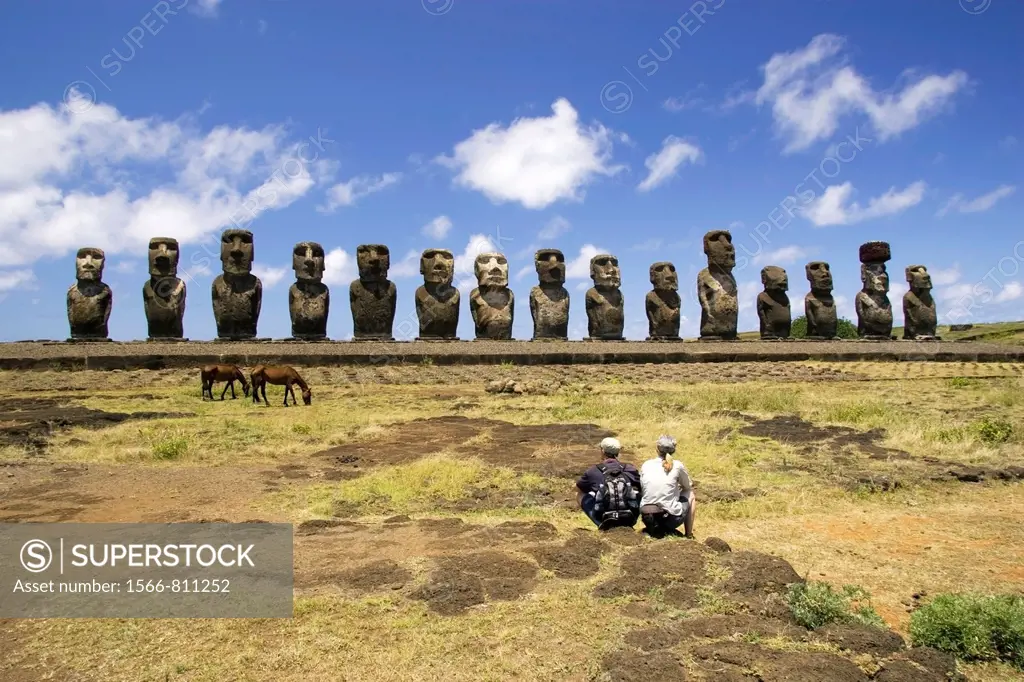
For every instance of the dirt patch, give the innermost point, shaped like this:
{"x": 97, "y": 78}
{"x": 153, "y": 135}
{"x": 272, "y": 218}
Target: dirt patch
{"x": 578, "y": 557}
{"x": 796, "y": 431}
{"x": 445, "y": 528}
{"x": 680, "y": 561}
{"x": 722, "y": 626}
{"x": 629, "y": 666}
{"x": 623, "y": 536}
{"x": 317, "y": 526}
{"x": 862, "y": 639}
{"x": 463, "y": 581}
{"x": 638, "y": 610}
{"x": 759, "y": 581}
{"x": 921, "y": 664}
{"x": 718, "y": 545}
{"x": 769, "y": 665}
{"x": 710, "y": 493}
{"x": 554, "y": 450}
{"x": 31, "y": 422}
{"x": 373, "y": 577}
{"x": 680, "y": 596}
{"x": 654, "y": 639}
{"x": 530, "y": 531}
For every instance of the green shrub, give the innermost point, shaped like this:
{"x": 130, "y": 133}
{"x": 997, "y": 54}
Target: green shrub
{"x": 172, "y": 448}
{"x": 992, "y": 430}
{"x": 302, "y": 429}
{"x": 844, "y": 328}
{"x": 972, "y": 627}
{"x": 816, "y": 603}
{"x": 961, "y": 382}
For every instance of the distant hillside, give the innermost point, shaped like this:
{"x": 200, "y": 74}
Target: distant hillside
{"x": 993, "y": 332}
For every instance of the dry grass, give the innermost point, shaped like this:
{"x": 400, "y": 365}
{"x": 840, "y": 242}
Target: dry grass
{"x": 928, "y": 536}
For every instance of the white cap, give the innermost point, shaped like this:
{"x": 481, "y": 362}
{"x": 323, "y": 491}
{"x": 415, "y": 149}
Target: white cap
{"x": 666, "y": 445}
{"x": 610, "y": 446}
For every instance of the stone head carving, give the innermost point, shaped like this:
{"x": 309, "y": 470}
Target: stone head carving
{"x": 874, "y": 277}
{"x": 308, "y": 261}
{"x": 550, "y": 266}
{"x": 163, "y": 257}
{"x": 604, "y": 270}
{"x": 774, "y": 278}
{"x": 437, "y": 266}
{"x": 491, "y": 270}
{"x": 236, "y": 252}
{"x": 819, "y": 274}
{"x": 89, "y": 264}
{"x": 719, "y": 249}
{"x": 374, "y": 261}
{"x": 664, "y": 276}
{"x": 918, "y": 278}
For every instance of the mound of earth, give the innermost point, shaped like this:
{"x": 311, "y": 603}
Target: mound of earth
{"x": 460, "y": 582}
{"x": 31, "y": 422}
{"x": 578, "y": 557}
{"x": 554, "y": 450}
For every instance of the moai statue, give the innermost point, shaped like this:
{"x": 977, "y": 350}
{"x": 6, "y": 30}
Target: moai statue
{"x": 663, "y": 303}
{"x": 237, "y": 293}
{"x": 874, "y": 312}
{"x": 373, "y": 296}
{"x": 773, "y": 304}
{"x": 605, "y": 316}
{"x": 89, "y": 299}
{"x": 309, "y": 299}
{"x": 549, "y": 301}
{"x": 163, "y": 294}
{"x": 437, "y": 301}
{"x": 819, "y": 306}
{"x": 919, "y": 320}
{"x": 716, "y": 288}
{"x": 492, "y": 303}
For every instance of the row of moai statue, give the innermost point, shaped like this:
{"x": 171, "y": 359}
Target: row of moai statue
{"x": 237, "y": 296}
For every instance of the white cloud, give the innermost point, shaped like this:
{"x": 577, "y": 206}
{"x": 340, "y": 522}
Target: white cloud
{"x": 17, "y": 279}
{"x": 524, "y": 271}
{"x": 833, "y": 207}
{"x": 534, "y": 161}
{"x": 688, "y": 101}
{"x": 941, "y": 278}
{"x": 207, "y": 8}
{"x": 554, "y": 227}
{"x": 438, "y": 227}
{"x": 810, "y": 89}
{"x": 982, "y": 203}
{"x": 409, "y": 266}
{"x": 955, "y": 291}
{"x": 339, "y": 267}
{"x": 348, "y": 193}
{"x": 784, "y": 256}
{"x": 125, "y": 266}
{"x": 261, "y": 26}
{"x": 579, "y": 267}
{"x": 662, "y": 165}
{"x": 270, "y": 277}
{"x": 99, "y": 178}
{"x": 897, "y": 287}
{"x": 1010, "y": 292}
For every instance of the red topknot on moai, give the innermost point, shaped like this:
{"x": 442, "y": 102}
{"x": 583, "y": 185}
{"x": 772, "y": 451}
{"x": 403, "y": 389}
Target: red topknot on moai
{"x": 874, "y": 312}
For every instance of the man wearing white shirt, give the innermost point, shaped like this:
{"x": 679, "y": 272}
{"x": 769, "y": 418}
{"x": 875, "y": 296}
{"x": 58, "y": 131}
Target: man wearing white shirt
{"x": 667, "y": 501}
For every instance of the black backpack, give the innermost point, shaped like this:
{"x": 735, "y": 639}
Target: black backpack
{"x": 616, "y": 499}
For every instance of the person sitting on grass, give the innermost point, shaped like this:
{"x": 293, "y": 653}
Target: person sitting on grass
{"x": 609, "y": 492}
{"x": 668, "y": 499}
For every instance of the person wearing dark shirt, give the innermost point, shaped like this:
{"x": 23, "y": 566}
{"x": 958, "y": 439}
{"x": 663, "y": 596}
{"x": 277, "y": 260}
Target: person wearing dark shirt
{"x": 610, "y": 505}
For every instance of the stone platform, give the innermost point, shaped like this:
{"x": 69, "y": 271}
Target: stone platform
{"x": 42, "y": 355}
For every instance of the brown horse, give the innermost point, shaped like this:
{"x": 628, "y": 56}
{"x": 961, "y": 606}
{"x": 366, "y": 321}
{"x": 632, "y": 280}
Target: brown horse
{"x": 286, "y": 376}
{"x": 229, "y": 373}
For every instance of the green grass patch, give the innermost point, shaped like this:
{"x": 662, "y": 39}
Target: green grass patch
{"x": 171, "y": 448}
{"x": 815, "y": 604}
{"x": 973, "y": 627}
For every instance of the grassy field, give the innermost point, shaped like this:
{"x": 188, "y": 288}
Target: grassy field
{"x": 993, "y": 332}
{"x": 404, "y": 481}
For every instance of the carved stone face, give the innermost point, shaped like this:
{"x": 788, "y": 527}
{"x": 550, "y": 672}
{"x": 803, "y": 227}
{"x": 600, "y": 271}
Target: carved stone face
{"x": 774, "y": 278}
{"x": 236, "y": 252}
{"x": 437, "y": 266}
{"x": 308, "y": 261}
{"x": 918, "y": 278}
{"x": 163, "y": 257}
{"x": 491, "y": 270}
{"x": 550, "y": 266}
{"x": 89, "y": 264}
{"x": 373, "y": 260}
{"x": 664, "y": 277}
{"x": 719, "y": 249}
{"x": 819, "y": 275}
{"x": 874, "y": 277}
{"x": 604, "y": 270}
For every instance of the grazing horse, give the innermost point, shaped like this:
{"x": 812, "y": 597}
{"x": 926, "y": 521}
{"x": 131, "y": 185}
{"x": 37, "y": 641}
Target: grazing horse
{"x": 229, "y": 373}
{"x": 286, "y": 376}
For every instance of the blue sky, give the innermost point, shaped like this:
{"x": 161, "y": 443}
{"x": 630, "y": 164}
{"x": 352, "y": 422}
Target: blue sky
{"x": 805, "y": 127}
